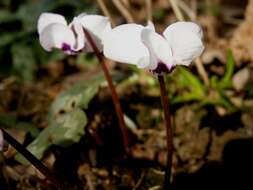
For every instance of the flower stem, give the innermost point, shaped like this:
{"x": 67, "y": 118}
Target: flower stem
{"x": 30, "y": 157}
{"x": 165, "y": 103}
{"x": 115, "y": 97}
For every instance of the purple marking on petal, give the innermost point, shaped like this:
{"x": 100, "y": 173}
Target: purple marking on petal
{"x": 65, "y": 47}
{"x": 163, "y": 69}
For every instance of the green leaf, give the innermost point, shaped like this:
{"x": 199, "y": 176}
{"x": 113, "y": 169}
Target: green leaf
{"x": 67, "y": 129}
{"x": 6, "y": 16}
{"x": 78, "y": 96}
{"x": 192, "y": 82}
{"x": 9, "y": 121}
{"x": 24, "y": 63}
{"x": 226, "y": 81}
{"x": 195, "y": 90}
{"x": 66, "y": 117}
{"x": 8, "y": 38}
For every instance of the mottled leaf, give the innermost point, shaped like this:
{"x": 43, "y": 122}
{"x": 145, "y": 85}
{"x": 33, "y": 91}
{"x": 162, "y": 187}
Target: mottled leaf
{"x": 78, "y": 96}
{"x": 67, "y": 118}
{"x": 67, "y": 129}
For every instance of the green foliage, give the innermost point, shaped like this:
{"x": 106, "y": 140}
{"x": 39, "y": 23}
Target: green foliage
{"x": 78, "y": 96}
{"x": 10, "y": 121}
{"x": 159, "y": 14}
{"x": 226, "y": 80}
{"x": 190, "y": 87}
{"x": 67, "y": 118}
{"x": 23, "y": 61}
{"x": 195, "y": 89}
{"x": 67, "y": 129}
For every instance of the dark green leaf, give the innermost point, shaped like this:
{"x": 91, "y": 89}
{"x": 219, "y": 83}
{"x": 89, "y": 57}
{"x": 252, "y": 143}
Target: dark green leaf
{"x": 67, "y": 129}
{"x": 24, "y": 63}
{"x": 9, "y": 121}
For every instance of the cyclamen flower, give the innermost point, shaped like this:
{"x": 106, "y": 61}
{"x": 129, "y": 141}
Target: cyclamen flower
{"x": 55, "y": 33}
{"x": 180, "y": 43}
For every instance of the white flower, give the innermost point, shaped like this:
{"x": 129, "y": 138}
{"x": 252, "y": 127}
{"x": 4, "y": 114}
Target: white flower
{"x": 142, "y": 46}
{"x": 55, "y": 33}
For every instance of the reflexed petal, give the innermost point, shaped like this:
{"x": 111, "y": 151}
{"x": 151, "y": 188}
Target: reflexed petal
{"x": 48, "y": 18}
{"x": 159, "y": 49}
{"x": 80, "y": 39}
{"x": 185, "y": 41}
{"x": 96, "y": 25}
{"x": 123, "y": 44}
{"x": 57, "y": 36}
{"x": 1, "y": 140}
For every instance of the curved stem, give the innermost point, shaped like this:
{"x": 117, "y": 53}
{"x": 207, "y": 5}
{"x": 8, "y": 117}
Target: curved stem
{"x": 166, "y": 110}
{"x": 31, "y": 158}
{"x": 115, "y": 97}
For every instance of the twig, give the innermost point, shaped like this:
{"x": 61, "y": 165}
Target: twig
{"x": 115, "y": 97}
{"x": 149, "y": 10}
{"x": 105, "y": 11}
{"x": 157, "y": 187}
{"x": 200, "y": 68}
{"x": 126, "y": 3}
{"x": 34, "y": 161}
{"x": 176, "y": 10}
{"x": 166, "y": 110}
{"x": 188, "y": 11}
{"x": 202, "y": 72}
{"x": 124, "y": 11}
{"x": 139, "y": 182}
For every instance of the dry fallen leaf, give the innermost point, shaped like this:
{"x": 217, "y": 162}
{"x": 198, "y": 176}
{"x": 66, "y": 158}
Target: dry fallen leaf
{"x": 241, "y": 78}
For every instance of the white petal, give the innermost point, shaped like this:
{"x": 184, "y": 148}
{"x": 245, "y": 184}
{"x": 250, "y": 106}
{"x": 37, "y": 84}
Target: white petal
{"x": 185, "y": 40}
{"x": 48, "y": 18}
{"x": 57, "y": 36}
{"x": 1, "y": 141}
{"x": 96, "y": 25}
{"x": 123, "y": 44}
{"x": 78, "y": 32}
{"x": 159, "y": 49}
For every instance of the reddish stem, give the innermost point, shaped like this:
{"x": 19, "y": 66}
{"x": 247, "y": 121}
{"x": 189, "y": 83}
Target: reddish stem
{"x": 115, "y": 97}
{"x": 34, "y": 161}
{"x": 165, "y": 103}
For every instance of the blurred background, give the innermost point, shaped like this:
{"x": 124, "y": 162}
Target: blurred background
{"x": 44, "y": 96}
